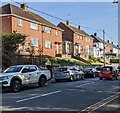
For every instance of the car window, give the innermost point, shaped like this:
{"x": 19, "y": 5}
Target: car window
{"x": 33, "y": 68}
{"x": 13, "y": 69}
{"x": 26, "y": 70}
{"x": 62, "y": 69}
{"x": 106, "y": 69}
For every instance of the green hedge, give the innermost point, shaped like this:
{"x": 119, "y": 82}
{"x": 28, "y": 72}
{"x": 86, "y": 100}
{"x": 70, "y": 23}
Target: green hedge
{"x": 115, "y": 60}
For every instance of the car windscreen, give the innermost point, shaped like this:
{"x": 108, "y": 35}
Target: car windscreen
{"x": 106, "y": 69}
{"x": 13, "y": 69}
{"x": 88, "y": 69}
{"x": 62, "y": 69}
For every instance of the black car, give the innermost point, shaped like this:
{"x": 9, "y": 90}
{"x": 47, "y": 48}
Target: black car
{"x": 91, "y": 72}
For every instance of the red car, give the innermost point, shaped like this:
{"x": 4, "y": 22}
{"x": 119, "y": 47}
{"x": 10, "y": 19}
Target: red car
{"x": 108, "y": 72}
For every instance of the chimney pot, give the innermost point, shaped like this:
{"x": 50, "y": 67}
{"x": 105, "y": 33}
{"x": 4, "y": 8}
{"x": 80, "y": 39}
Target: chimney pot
{"x": 107, "y": 40}
{"x": 112, "y": 42}
{"x": 79, "y": 27}
{"x": 24, "y": 7}
{"x": 67, "y": 22}
{"x": 95, "y": 34}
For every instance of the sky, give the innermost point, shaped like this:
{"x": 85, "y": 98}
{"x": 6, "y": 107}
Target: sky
{"x": 91, "y": 15}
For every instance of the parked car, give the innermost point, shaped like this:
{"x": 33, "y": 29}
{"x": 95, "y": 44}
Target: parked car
{"x": 90, "y": 72}
{"x": 19, "y": 75}
{"x": 109, "y": 72}
{"x": 70, "y": 73}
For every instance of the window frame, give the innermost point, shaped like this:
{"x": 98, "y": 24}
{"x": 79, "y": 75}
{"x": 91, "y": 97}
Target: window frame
{"x": 32, "y": 26}
{"x": 20, "y": 22}
{"x": 48, "y": 44}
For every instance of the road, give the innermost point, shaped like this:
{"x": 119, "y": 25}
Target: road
{"x": 91, "y": 95}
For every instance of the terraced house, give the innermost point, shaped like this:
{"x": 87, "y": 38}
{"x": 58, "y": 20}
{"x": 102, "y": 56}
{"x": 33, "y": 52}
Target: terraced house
{"x": 43, "y": 36}
{"x": 76, "y": 42}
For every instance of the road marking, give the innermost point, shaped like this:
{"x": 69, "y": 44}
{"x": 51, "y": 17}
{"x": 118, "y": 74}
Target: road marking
{"x": 101, "y": 103}
{"x": 43, "y": 95}
{"x": 84, "y": 84}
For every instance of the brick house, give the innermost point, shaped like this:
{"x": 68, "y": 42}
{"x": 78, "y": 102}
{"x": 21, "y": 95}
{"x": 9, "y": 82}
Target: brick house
{"x": 44, "y": 37}
{"x": 76, "y": 42}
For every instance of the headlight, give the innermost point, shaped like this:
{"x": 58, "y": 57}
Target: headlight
{"x": 5, "y": 77}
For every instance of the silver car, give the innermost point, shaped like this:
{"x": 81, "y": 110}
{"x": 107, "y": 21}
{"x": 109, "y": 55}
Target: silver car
{"x": 70, "y": 73}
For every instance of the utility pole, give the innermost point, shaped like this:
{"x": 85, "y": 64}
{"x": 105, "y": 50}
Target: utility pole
{"x": 104, "y": 46}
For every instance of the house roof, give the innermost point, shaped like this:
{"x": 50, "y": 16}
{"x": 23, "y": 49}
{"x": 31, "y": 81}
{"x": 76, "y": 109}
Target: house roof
{"x": 14, "y": 10}
{"x": 96, "y": 39}
{"x": 76, "y": 30}
{"x": 112, "y": 45}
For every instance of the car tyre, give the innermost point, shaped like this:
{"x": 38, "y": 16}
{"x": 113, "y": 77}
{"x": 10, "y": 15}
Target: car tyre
{"x": 15, "y": 86}
{"x": 56, "y": 80}
{"x": 83, "y": 77}
{"x": 71, "y": 78}
{"x": 100, "y": 78}
{"x": 93, "y": 75}
{"x": 42, "y": 82}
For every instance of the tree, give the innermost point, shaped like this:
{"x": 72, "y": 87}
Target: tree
{"x": 10, "y": 44}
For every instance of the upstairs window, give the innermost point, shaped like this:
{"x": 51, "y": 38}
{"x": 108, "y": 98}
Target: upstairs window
{"x": 34, "y": 42}
{"x": 34, "y": 26}
{"x": 57, "y": 32}
{"x": 48, "y": 44}
{"x": 87, "y": 39}
{"x": 20, "y": 22}
{"x": 47, "y": 30}
{"x": 80, "y": 37}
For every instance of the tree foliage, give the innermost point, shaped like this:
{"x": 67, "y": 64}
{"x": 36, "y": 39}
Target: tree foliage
{"x": 10, "y": 44}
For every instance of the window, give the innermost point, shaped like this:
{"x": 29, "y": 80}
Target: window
{"x": 57, "y": 32}
{"x": 81, "y": 48}
{"x": 20, "y": 22}
{"x": 33, "y": 68}
{"x": 87, "y": 49}
{"x": 80, "y": 37}
{"x": 34, "y": 42}
{"x": 48, "y": 44}
{"x": 87, "y": 39}
{"x": 34, "y": 26}
{"x": 47, "y": 30}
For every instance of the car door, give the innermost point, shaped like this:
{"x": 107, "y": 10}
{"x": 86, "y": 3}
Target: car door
{"x": 26, "y": 75}
{"x": 34, "y": 75}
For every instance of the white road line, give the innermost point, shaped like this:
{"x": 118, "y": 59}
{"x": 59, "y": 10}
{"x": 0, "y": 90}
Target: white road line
{"x": 101, "y": 103}
{"x": 43, "y": 95}
{"x": 84, "y": 84}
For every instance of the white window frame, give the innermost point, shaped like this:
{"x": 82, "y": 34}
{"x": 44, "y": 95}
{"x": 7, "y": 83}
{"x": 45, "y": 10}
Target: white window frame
{"x": 35, "y": 42}
{"x": 48, "y": 44}
{"x": 47, "y": 30}
{"x": 57, "y": 32}
{"x": 34, "y": 26}
{"x": 20, "y": 22}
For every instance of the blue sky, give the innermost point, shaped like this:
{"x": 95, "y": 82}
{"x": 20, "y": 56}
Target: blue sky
{"x": 96, "y": 15}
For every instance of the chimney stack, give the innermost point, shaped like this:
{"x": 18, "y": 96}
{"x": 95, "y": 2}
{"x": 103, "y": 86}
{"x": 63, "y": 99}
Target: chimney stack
{"x": 79, "y": 27}
{"x": 95, "y": 34}
{"x": 67, "y": 22}
{"x": 24, "y": 7}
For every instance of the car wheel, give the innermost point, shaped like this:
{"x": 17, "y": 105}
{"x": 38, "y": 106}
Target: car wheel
{"x": 56, "y": 80}
{"x": 42, "y": 82}
{"x": 113, "y": 78}
{"x": 15, "y": 86}
{"x": 71, "y": 78}
{"x": 83, "y": 77}
{"x": 93, "y": 75}
{"x": 100, "y": 78}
